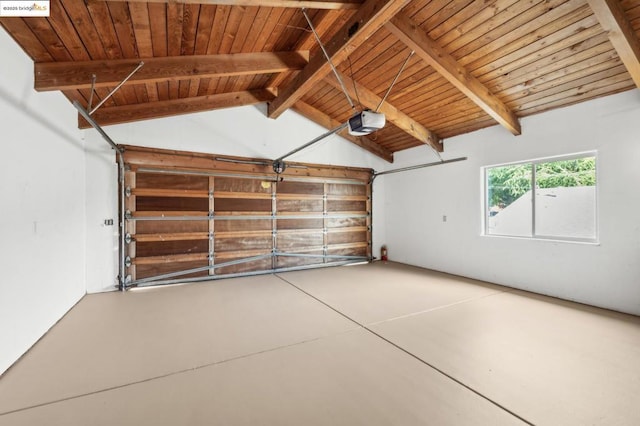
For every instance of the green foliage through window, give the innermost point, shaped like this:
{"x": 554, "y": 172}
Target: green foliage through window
{"x": 553, "y": 199}
{"x": 508, "y": 183}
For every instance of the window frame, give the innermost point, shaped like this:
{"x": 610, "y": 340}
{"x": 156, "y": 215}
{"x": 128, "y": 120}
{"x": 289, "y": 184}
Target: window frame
{"x": 534, "y": 163}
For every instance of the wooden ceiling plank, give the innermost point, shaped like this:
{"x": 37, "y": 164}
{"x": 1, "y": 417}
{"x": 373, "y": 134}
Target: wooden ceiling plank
{"x": 457, "y": 20}
{"x": 101, "y": 18}
{"x": 555, "y": 77}
{"x": 47, "y": 37}
{"x": 411, "y": 34}
{"x": 205, "y": 27}
{"x": 327, "y": 122}
{"x": 306, "y": 41}
{"x": 217, "y": 29}
{"x": 581, "y": 96}
{"x": 487, "y": 17}
{"x": 188, "y": 44}
{"x": 624, "y": 39}
{"x": 231, "y": 29}
{"x": 23, "y": 35}
{"x": 526, "y": 35}
{"x": 83, "y": 24}
{"x": 142, "y": 27}
{"x": 562, "y": 58}
{"x": 578, "y": 94}
{"x": 175, "y": 18}
{"x": 248, "y": 33}
{"x": 64, "y": 28}
{"x": 158, "y": 20}
{"x": 370, "y": 17}
{"x": 296, "y": 4}
{"x": 512, "y": 19}
{"x": 393, "y": 115}
{"x": 571, "y": 81}
{"x": 121, "y": 19}
{"x": 190, "y": 20}
{"x": 249, "y": 29}
{"x": 75, "y": 75}
{"x": 131, "y": 113}
{"x": 266, "y": 41}
{"x": 124, "y": 29}
{"x": 535, "y": 48}
{"x": 432, "y": 16}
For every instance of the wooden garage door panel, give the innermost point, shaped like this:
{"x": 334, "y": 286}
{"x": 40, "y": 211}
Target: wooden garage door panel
{"x": 251, "y": 266}
{"x": 165, "y": 248}
{"x": 171, "y": 227}
{"x": 294, "y": 187}
{"x": 242, "y": 205}
{"x": 346, "y": 222}
{"x": 257, "y": 217}
{"x": 300, "y": 223}
{"x": 171, "y": 204}
{"x": 222, "y": 225}
{"x": 291, "y": 242}
{"x": 243, "y": 243}
{"x": 152, "y": 270}
{"x": 300, "y": 205}
{"x": 347, "y": 237}
{"x": 172, "y": 181}
{"x": 235, "y": 185}
{"x": 287, "y": 262}
{"x": 346, "y": 206}
{"x": 345, "y": 189}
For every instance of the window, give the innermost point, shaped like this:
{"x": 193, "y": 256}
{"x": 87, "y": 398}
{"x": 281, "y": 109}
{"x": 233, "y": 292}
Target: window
{"x": 562, "y": 206}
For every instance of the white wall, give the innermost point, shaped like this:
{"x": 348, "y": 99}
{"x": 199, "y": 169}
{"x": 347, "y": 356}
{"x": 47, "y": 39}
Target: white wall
{"x": 42, "y": 217}
{"x": 243, "y": 131}
{"x": 605, "y": 275}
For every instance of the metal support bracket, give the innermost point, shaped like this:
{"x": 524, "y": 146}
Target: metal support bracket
{"x": 115, "y": 89}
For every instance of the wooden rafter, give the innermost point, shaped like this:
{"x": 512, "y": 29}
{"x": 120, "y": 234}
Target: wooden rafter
{"x": 393, "y": 115}
{"x": 612, "y": 18}
{"x": 416, "y": 39}
{"x": 77, "y": 75}
{"x": 324, "y": 120}
{"x": 129, "y": 113}
{"x": 372, "y": 15}
{"x": 309, "y": 4}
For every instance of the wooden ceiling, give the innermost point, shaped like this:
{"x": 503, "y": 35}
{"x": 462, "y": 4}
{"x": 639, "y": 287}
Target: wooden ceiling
{"x": 475, "y": 63}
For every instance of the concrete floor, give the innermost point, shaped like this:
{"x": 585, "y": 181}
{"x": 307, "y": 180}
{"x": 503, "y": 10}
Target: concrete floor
{"x": 379, "y": 344}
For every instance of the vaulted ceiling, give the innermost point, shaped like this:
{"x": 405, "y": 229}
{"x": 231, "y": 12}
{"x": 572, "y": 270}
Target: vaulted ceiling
{"x": 458, "y": 65}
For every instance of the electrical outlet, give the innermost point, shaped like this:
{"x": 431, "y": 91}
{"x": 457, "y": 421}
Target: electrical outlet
{"x": 444, "y": 217}
{"x": 108, "y": 222}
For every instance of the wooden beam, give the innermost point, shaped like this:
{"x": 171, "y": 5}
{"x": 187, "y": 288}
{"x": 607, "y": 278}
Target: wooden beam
{"x": 416, "y": 39}
{"x": 297, "y": 4}
{"x": 392, "y": 114}
{"x": 621, "y": 34}
{"x": 109, "y": 73}
{"x": 137, "y": 112}
{"x": 372, "y": 15}
{"x": 327, "y": 122}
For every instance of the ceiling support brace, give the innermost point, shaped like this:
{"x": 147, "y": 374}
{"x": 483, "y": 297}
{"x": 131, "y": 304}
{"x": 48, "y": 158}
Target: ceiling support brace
{"x": 419, "y": 166}
{"x": 280, "y": 160}
{"x": 326, "y": 55}
{"x": 121, "y": 262}
{"x": 115, "y": 89}
{"x": 395, "y": 79}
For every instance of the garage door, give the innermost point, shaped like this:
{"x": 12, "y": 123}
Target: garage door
{"x": 193, "y": 216}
